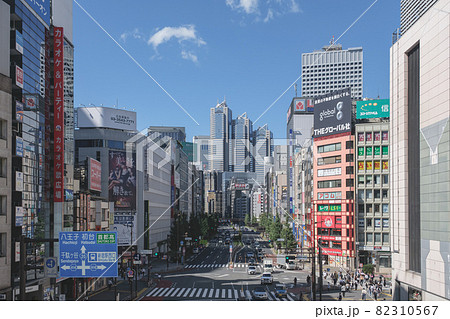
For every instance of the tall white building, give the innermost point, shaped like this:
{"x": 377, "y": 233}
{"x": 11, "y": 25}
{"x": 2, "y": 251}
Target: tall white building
{"x": 420, "y": 147}
{"x": 201, "y": 152}
{"x": 331, "y": 69}
{"x": 220, "y": 124}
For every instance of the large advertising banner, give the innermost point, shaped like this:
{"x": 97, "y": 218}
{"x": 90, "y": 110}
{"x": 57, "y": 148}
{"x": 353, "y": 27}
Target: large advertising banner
{"x": 58, "y": 111}
{"x": 122, "y": 180}
{"x": 332, "y": 113}
{"x": 125, "y": 226}
{"x": 95, "y": 175}
{"x": 372, "y": 109}
{"x": 19, "y": 77}
{"x": 106, "y": 117}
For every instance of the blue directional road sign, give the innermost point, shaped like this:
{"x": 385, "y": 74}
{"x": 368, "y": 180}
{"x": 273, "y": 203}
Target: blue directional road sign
{"x": 88, "y": 254}
{"x": 51, "y": 269}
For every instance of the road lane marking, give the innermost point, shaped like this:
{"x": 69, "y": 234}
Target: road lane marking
{"x": 230, "y": 294}
{"x": 158, "y": 291}
{"x": 193, "y": 292}
{"x": 161, "y": 292}
{"x": 151, "y": 292}
{"x": 181, "y": 292}
{"x": 242, "y": 293}
{"x": 249, "y": 296}
{"x": 167, "y": 293}
{"x": 211, "y": 293}
{"x": 217, "y": 293}
{"x": 223, "y": 293}
{"x": 235, "y": 294}
{"x": 187, "y": 292}
{"x": 198, "y": 292}
{"x": 175, "y": 292}
{"x": 270, "y": 296}
{"x": 290, "y": 298}
{"x": 205, "y": 292}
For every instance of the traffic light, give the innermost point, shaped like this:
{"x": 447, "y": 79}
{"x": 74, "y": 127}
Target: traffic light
{"x": 287, "y": 258}
{"x": 156, "y": 254}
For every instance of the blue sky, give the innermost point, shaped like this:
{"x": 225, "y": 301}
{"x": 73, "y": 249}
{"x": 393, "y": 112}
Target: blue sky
{"x": 201, "y": 51}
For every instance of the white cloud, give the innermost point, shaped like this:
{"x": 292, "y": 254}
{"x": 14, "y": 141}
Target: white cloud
{"x": 136, "y": 34}
{"x": 249, "y": 6}
{"x": 269, "y": 15}
{"x": 189, "y": 56}
{"x": 184, "y": 33}
{"x": 274, "y": 8}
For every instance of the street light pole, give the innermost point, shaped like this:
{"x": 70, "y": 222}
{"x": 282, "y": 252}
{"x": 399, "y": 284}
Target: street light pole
{"x": 320, "y": 273}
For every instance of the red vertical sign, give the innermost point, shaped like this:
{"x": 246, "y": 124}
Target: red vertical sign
{"x": 58, "y": 111}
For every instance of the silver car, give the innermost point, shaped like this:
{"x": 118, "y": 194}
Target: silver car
{"x": 259, "y": 293}
{"x": 251, "y": 270}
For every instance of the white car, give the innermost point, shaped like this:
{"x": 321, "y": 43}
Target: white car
{"x": 266, "y": 278}
{"x": 251, "y": 270}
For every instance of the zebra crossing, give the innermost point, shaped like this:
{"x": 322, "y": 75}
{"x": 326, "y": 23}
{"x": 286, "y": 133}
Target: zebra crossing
{"x": 211, "y": 294}
{"x": 236, "y": 265}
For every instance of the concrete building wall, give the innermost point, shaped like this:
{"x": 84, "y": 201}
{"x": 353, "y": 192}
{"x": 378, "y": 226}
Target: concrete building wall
{"x": 432, "y": 280}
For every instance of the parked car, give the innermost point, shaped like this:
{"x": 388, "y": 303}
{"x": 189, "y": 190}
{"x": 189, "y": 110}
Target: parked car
{"x": 266, "y": 278}
{"x": 250, "y": 254}
{"x": 259, "y": 293}
{"x": 251, "y": 270}
{"x": 280, "y": 290}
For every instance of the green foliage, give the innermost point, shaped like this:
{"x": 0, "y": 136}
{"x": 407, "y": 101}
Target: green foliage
{"x": 247, "y": 220}
{"x": 275, "y": 229}
{"x": 368, "y": 269}
{"x": 288, "y": 235}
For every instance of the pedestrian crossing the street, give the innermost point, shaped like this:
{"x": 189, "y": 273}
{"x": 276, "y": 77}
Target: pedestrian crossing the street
{"x": 211, "y": 294}
{"x": 236, "y": 265}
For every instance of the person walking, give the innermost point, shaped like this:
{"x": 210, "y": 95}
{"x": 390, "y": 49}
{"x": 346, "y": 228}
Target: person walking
{"x": 363, "y": 294}
{"x": 343, "y": 288}
{"x": 295, "y": 281}
{"x": 340, "y": 297}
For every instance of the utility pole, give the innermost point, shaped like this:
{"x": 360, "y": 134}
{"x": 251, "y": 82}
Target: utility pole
{"x": 320, "y": 273}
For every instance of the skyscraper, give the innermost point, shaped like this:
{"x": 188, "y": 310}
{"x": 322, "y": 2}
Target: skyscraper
{"x": 332, "y": 69}
{"x": 220, "y": 127}
{"x": 263, "y": 148}
{"x": 241, "y": 144}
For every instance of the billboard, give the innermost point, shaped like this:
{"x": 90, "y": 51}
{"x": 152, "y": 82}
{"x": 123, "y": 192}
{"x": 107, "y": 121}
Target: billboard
{"x": 106, "y": 117}
{"x": 19, "y": 77}
{"x": 122, "y": 180}
{"x": 42, "y": 9}
{"x": 332, "y": 113}
{"x": 19, "y": 146}
{"x": 125, "y": 226}
{"x": 95, "y": 175}
{"x": 58, "y": 111}
{"x": 372, "y": 109}
{"x": 19, "y": 112}
{"x": 19, "y": 42}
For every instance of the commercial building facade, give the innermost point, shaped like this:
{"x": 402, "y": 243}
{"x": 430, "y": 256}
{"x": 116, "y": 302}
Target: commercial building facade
{"x": 420, "y": 135}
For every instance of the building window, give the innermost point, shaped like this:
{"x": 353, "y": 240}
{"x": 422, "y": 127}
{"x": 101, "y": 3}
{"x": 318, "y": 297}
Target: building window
{"x": 385, "y": 208}
{"x": 377, "y": 179}
{"x": 368, "y": 194}
{"x": 361, "y": 194}
{"x": 360, "y": 180}
{"x": 2, "y": 244}
{"x": 385, "y": 238}
{"x": 360, "y": 208}
{"x": 369, "y": 237}
{"x": 3, "y": 205}
{"x": 3, "y": 167}
{"x": 329, "y": 184}
{"x": 3, "y": 129}
{"x": 349, "y": 145}
{"x": 377, "y": 237}
{"x": 376, "y": 208}
{"x": 349, "y": 182}
{"x": 329, "y": 148}
{"x": 369, "y": 180}
{"x": 385, "y": 179}
{"x": 349, "y": 158}
{"x": 385, "y": 193}
{"x": 369, "y": 209}
{"x": 376, "y": 194}
{"x": 349, "y": 195}
{"x": 369, "y": 223}
{"x": 329, "y": 160}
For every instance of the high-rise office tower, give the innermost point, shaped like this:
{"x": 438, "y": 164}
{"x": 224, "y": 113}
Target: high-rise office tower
{"x": 220, "y": 127}
{"x": 263, "y": 148}
{"x": 419, "y": 144}
{"x": 332, "y": 69}
{"x": 241, "y": 144}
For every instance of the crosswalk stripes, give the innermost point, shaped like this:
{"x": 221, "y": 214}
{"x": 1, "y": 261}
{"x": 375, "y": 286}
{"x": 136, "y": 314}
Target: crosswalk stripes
{"x": 181, "y": 292}
{"x": 174, "y": 292}
{"x": 187, "y": 292}
{"x": 212, "y": 293}
{"x": 193, "y": 292}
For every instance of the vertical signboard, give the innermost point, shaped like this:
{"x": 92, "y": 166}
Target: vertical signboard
{"x": 19, "y": 146}
{"x": 19, "y": 42}
{"x": 58, "y": 102}
{"x": 19, "y": 112}
{"x": 122, "y": 180}
{"x": 19, "y": 77}
{"x": 95, "y": 175}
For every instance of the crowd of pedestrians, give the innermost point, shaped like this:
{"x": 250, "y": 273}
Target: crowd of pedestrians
{"x": 370, "y": 285}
